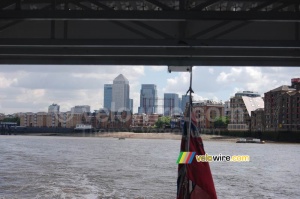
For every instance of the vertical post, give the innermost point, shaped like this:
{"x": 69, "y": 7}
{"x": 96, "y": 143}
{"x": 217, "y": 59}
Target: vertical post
{"x": 187, "y": 185}
{"x": 187, "y": 194}
{"x": 190, "y": 112}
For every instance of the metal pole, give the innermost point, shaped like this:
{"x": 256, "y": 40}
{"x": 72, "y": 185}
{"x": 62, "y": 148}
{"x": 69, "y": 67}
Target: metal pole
{"x": 187, "y": 196}
{"x": 190, "y": 118}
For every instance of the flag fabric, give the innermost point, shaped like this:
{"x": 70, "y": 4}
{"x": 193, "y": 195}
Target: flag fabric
{"x": 195, "y": 179}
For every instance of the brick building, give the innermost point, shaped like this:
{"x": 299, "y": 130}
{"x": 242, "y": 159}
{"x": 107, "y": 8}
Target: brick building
{"x": 207, "y": 111}
{"x": 41, "y": 119}
{"x": 144, "y": 120}
{"x": 258, "y": 120}
{"x": 120, "y": 120}
{"x": 26, "y": 119}
{"x": 282, "y": 107}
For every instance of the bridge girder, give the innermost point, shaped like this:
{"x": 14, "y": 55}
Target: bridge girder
{"x": 150, "y": 32}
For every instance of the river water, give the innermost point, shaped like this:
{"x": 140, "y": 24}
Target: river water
{"x": 73, "y": 167}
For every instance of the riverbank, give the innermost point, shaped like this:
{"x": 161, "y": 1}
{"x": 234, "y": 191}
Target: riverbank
{"x": 130, "y": 135}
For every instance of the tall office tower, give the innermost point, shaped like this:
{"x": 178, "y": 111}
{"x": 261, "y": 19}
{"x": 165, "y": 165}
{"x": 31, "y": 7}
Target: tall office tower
{"x": 185, "y": 99}
{"x": 171, "y": 104}
{"x": 107, "y": 96}
{"x": 148, "y": 99}
{"x": 120, "y": 94}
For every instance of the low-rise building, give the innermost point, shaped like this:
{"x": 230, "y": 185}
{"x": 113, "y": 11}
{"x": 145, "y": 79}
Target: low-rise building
{"x": 72, "y": 119}
{"x": 120, "y": 120}
{"x": 41, "y": 119}
{"x": 26, "y": 119}
{"x": 207, "y": 111}
{"x": 144, "y": 120}
{"x": 241, "y": 106}
{"x": 52, "y": 120}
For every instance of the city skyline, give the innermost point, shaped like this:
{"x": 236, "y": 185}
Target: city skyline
{"x": 34, "y": 88}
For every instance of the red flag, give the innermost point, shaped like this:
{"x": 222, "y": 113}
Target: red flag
{"x": 194, "y": 180}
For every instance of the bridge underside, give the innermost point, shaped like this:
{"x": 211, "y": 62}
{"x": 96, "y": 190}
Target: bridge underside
{"x": 150, "y": 32}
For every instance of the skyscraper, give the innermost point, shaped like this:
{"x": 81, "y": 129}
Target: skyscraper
{"x": 184, "y": 101}
{"x": 107, "y": 96}
{"x": 171, "y": 104}
{"x": 148, "y": 99}
{"x": 120, "y": 94}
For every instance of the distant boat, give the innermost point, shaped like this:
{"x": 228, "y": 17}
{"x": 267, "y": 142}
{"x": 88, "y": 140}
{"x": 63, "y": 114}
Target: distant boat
{"x": 121, "y": 138}
{"x": 83, "y": 127}
{"x": 253, "y": 140}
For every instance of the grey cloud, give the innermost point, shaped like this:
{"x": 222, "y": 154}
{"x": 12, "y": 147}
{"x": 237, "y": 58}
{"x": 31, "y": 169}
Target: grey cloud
{"x": 56, "y": 81}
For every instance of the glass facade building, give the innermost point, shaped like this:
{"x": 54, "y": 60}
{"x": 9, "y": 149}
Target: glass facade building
{"x": 148, "y": 99}
{"x": 171, "y": 104}
{"x": 120, "y": 94}
{"x": 107, "y": 96}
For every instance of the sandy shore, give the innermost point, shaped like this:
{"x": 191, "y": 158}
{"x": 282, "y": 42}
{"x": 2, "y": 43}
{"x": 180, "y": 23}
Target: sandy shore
{"x": 130, "y": 135}
{"x": 162, "y": 136}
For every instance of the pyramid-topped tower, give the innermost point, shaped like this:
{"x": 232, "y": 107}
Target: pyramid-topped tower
{"x": 120, "y": 94}
{"x": 120, "y": 79}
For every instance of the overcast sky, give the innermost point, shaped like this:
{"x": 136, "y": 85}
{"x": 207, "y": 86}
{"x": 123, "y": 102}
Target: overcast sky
{"x": 33, "y": 88}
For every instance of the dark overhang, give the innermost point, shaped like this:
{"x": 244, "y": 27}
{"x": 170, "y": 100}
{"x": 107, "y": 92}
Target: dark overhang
{"x": 150, "y": 32}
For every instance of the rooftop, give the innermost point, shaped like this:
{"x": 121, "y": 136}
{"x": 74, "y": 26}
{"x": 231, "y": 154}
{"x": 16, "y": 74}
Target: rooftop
{"x": 283, "y": 88}
{"x": 208, "y": 102}
{"x": 121, "y": 78}
{"x": 253, "y": 103}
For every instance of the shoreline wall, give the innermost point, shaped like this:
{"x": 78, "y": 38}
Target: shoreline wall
{"x": 278, "y": 136}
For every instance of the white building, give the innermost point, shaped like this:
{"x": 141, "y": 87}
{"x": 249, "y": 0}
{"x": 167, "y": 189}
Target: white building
{"x": 240, "y": 111}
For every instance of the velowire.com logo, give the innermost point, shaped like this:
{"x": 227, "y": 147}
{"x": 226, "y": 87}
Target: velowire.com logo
{"x": 187, "y": 158}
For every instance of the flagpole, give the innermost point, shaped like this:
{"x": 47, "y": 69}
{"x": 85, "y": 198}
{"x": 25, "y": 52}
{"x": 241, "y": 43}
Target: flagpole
{"x": 190, "y": 111}
{"x": 190, "y": 91}
{"x": 186, "y": 185}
